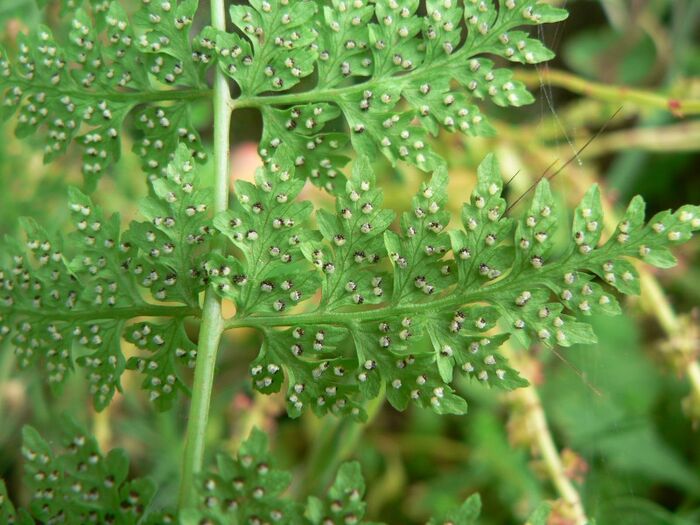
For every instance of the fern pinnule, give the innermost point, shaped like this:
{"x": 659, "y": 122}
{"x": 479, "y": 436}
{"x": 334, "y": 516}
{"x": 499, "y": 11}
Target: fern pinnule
{"x": 83, "y": 290}
{"x": 83, "y": 91}
{"x": 451, "y": 298}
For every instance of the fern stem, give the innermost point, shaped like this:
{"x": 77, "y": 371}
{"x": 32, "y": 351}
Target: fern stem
{"x": 454, "y": 298}
{"x": 212, "y": 319}
{"x": 137, "y": 97}
{"x": 334, "y": 94}
{"x": 150, "y": 310}
{"x": 351, "y": 318}
{"x": 616, "y": 94}
{"x": 7, "y": 363}
{"x": 195, "y": 438}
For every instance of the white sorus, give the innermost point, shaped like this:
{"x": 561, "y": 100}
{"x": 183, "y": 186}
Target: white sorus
{"x": 523, "y": 298}
{"x": 464, "y": 253}
{"x": 685, "y": 216}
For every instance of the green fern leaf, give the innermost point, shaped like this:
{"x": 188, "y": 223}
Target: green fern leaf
{"x": 380, "y": 66}
{"x": 292, "y": 137}
{"x": 274, "y": 56}
{"x": 454, "y": 297}
{"x": 170, "y": 351}
{"x": 248, "y": 489}
{"x": 244, "y": 489}
{"x": 267, "y": 225}
{"x": 8, "y": 514}
{"x": 343, "y": 502}
{"x": 171, "y": 241}
{"x": 82, "y": 92}
{"x": 540, "y": 515}
{"x": 80, "y": 485}
{"x": 66, "y": 302}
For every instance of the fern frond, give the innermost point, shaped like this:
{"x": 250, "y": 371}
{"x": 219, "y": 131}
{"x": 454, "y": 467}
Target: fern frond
{"x": 381, "y": 66}
{"x": 248, "y": 489}
{"x": 450, "y": 300}
{"x": 83, "y": 91}
{"x": 79, "y": 484}
{"x": 67, "y": 300}
{"x": 394, "y": 76}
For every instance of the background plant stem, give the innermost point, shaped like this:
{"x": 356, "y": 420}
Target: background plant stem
{"x": 543, "y": 441}
{"x": 212, "y": 320}
{"x": 616, "y": 94}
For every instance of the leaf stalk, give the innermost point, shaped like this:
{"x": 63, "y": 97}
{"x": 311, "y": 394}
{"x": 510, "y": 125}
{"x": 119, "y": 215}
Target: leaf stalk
{"x": 212, "y": 325}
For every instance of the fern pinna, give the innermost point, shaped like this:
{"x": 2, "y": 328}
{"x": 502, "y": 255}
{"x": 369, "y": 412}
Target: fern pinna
{"x": 342, "y": 297}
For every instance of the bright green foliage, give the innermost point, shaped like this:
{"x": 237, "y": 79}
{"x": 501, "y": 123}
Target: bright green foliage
{"x": 8, "y": 514}
{"x": 177, "y": 227}
{"x": 248, "y": 489}
{"x": 540, "y": 516}
{"x": 350, "y": 303}
{"x": 244, "y": 488}
{"x": 267, "y": 224}
{"x": 291, "y": 137}
{"x": 82, "y": 91}
{"x": 79, "y": 484}
{"x": 66, "y": 300}
{"x": 369, "y": 57}
{"x": 453, "y": 299}
{"x": 393, "y": 75}
{"x": 343, "y": 502}
{"x": 170, "y": 351}
{"x": 274, "y": 56}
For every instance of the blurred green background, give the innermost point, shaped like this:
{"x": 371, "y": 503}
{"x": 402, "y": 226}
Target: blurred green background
{"x": 621, "y": 413}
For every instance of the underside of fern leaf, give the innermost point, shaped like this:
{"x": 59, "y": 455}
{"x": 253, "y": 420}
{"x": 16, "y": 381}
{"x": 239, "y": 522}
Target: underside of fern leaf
{"x": 76, "y": 483}
{"x": 345, "y": 310}
{"x": 109, "y": 68}
{"x": 388, "y": 71}
{"x": 392, "y": 75}
{"x": 351, "y": 302}
{"x": 67, "y": 301}
{"x": 404, "y": 308}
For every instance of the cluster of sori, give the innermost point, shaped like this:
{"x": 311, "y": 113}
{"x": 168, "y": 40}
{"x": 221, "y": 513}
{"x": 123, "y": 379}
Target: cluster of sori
{"x": 63, "y": 294}
{"x": 74, "y": 482}
{"x": 388, "y": 71}
{"x": 451, "y": 299}
{"x": 84, "y": 90}
{"x": 347, "y": 306}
